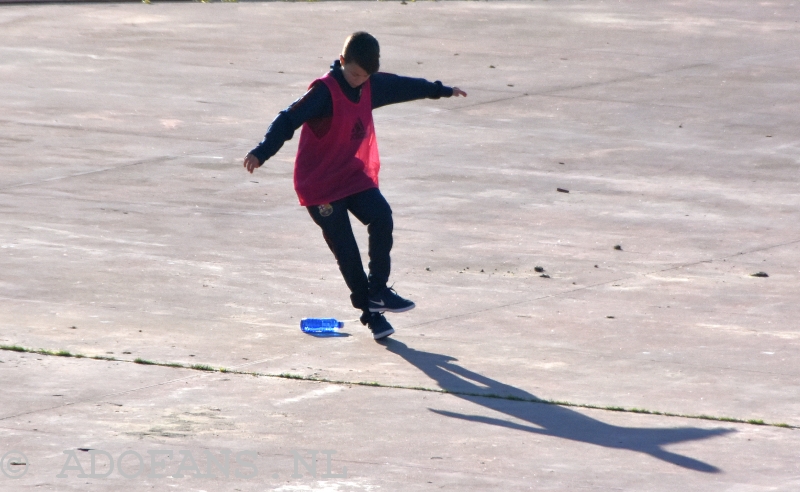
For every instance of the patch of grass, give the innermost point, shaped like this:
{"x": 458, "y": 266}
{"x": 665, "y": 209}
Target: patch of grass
{"x": 202, "y": 367}
{"x": 139, "y": 360}
{"x": 14, "y": 348}
{"x": 756, "y": 422}
{"x": 287, "y": 375}
{"x": 644, "y": 411}
{"x": 173, "y": 364}
{"x": 60, "y": 353}
{"x": 223, "y": 369}
{"x": 103, "y": 357}
{"x": 416, "y": 388}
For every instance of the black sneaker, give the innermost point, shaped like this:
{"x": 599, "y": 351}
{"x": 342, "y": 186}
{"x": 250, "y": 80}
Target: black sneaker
{"x": 388, "y": 300}
{"x": 379, "y": 326}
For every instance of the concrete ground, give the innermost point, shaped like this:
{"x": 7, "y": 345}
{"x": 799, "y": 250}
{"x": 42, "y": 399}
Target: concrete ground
{"x": 130, "y": 231}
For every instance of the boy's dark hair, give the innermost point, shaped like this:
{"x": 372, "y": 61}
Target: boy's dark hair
{"x": 363, "y": 49}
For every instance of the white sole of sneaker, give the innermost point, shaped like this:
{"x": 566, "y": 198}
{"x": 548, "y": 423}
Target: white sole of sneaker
{"x": 378, "y": 336}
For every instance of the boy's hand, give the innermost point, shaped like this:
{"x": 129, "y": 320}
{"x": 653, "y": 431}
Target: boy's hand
{"x": 458, "y": 92}
{"x": 251, "y": 162}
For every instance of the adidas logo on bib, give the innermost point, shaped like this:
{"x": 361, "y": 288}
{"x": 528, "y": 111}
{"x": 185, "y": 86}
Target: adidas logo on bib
{"x": 358, "y": 132}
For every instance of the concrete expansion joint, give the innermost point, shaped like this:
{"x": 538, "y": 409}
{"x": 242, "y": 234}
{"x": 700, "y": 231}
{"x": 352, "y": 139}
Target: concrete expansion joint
{"x": 205, "y": 368}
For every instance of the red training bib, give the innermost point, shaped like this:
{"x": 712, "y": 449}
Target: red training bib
{"x": 343, "y": 161}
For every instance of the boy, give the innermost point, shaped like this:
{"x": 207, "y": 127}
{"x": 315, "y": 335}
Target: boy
{"x": 337, "y": 164}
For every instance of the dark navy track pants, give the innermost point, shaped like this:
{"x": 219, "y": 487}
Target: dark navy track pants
{"x": 372, "y": 210}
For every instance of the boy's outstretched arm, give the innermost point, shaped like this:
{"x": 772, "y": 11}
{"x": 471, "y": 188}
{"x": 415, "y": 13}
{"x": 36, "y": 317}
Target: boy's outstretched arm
{"x": 388, "y": 88}
{"x": 311, "y": 105}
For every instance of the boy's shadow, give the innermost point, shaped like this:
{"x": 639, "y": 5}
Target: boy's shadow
{"x": 549, "y": 419}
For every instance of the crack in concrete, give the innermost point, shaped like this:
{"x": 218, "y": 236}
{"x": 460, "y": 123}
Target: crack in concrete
{"x": 621, "y": 279}
{"x": 109, "y": 131}
{"x": 153, "y": 160}
{"x": 555, "y": 90}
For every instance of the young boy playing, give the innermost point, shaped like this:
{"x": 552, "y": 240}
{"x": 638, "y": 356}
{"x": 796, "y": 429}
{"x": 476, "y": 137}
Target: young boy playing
{"x": 337, "y": 164}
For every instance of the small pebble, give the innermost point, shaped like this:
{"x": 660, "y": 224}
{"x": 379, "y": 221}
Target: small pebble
{"x": 544, "y": 275}
{"x": 760, "y": 274}
{"x": 618, "y": 247}
{"x": 562, "y": 190}
{"x": 538, "y": 269}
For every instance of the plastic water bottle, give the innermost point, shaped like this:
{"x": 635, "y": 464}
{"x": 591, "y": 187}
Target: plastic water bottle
{"x": 320, "y": 325}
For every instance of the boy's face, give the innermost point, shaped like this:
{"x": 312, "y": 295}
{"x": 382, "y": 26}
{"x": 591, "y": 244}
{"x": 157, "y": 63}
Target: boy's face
{"x": 353, "y": 74}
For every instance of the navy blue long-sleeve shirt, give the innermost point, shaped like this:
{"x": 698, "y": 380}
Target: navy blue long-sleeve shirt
{"x": 316, "y": 105}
